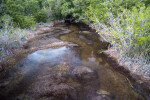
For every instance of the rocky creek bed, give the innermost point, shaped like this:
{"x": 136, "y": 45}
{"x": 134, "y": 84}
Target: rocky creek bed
{"x": 61, "y": 62}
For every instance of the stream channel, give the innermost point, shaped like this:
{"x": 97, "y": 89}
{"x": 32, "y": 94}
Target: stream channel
{"x": 65, "y": 65}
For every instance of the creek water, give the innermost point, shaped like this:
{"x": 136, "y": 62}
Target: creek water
{"x": 39, "y": 64}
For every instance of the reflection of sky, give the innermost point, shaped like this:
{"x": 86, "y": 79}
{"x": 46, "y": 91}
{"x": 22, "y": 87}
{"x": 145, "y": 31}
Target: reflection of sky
{"x": 47, "y": 55}
{"x": 50, "y": 57}
{"x": 91, "y": 61}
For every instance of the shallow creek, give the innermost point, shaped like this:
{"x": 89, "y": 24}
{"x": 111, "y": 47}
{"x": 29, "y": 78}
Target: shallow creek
{"x": 74, "y": 72}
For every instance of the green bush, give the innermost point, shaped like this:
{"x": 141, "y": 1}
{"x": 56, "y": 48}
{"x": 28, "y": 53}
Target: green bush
{"x": 9, "y": 36}
{"x": 5, "y": 19}
{"x": 24, "y": 21}
{"x": 25, "y": 13}
{"x": 62, "y": 8}
{"x": 132, "y": 28}
{"x": 1, "y": 7}
{"x": 128, "y": 23}
{"x": 55, "y": 6}
{"x": 41, "y": 16}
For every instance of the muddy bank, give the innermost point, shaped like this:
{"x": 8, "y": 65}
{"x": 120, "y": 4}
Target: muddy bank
{"x": 61, "y": 62}
{"x": 142, "y": 83}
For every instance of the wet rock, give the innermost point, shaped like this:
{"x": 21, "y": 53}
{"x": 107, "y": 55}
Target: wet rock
{"x": 23, "y": 39}
{"x": 61, "y": 92}
{"x": 90, "y": 94}
{"x": 66, "y": 31}
{"x": 55, "y": 31}
{"x": 85, "y": 76}
{"x": 81, "y": 70}
{"x": 102, "y": 97}
{"x": 83, "y": 38}
{"x": 103, "y": 92}
{"x": 73, "y": 45}
{"x": 4, "y": 84}
{"x": 86, "y": 32}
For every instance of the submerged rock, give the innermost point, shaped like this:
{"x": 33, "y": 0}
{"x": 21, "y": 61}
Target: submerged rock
{"x": 80, "y": 70}
{"x": 85, "y": 32}
{"x": 102, "y": 97}
{"x": 85, "y": 75}
{"x": 61, "y": 92}
{"x": 103, "y": 92}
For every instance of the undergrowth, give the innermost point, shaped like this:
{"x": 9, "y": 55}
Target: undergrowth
{"x": 128, "y": 29}
{"x": 10, "y": 37}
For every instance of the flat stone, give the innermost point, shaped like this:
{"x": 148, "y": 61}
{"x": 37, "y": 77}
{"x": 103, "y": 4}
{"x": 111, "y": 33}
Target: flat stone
{"x": 85, "y": 32}
{"x": 103, "y": 92}
{"x": 79, "y": 70}
{"x": 61, "y": 92}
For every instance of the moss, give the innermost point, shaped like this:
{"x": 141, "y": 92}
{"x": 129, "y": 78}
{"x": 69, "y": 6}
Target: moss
{"x": 62, "y": 67}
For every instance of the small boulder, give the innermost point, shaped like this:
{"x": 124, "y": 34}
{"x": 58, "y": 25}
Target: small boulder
{"x": 80, "y": 70}
{"x": 86, "y": 32}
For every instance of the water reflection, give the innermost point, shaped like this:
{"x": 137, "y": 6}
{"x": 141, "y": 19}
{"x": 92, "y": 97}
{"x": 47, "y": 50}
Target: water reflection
{"x": 110, "y": 81}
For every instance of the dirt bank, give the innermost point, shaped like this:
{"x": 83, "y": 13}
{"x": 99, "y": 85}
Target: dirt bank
{"x": 142, "y": 82}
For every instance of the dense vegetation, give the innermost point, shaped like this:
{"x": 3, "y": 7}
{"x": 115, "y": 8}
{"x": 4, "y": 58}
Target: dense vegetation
{"x": 24, "y": 13}
{"x": 127, "y": 22}
{"x": 16, "y": 15}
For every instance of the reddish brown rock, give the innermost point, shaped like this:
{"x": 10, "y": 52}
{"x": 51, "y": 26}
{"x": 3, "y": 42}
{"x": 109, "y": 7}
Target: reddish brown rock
{"x": 61, "y": 92}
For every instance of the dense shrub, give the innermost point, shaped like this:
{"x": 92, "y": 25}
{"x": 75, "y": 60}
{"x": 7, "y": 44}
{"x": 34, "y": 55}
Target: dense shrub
{"x": 10, "y": 37}
{"x": 128, "y": 23}
{"x": 132, "y": 29}
{"x": 24, "y": 12}
{"x": 1, "y": 7}
{"x": 41, "y": 16}
{"x": 62, "y": 8}
{"x": 24, "y": 21}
